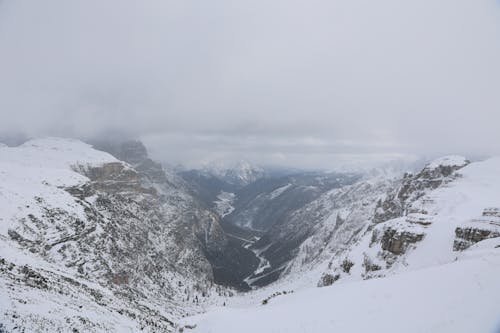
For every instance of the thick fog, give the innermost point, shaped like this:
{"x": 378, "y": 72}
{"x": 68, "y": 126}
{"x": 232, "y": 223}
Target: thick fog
{"x": 299, "y": 82}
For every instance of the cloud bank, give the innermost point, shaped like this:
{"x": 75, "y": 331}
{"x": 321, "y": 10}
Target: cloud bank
{"x": 292, "y": 82}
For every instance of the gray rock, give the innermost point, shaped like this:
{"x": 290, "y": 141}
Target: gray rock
{"x": 397, "y": 242}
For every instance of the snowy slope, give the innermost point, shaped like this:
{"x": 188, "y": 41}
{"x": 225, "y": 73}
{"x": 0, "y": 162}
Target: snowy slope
{"x": 42, "y": 168}
{"x": 427, "y": 234}
{"x": 456, "y": 205}
{"x": 448, "y": 206}
{"x": 86, "y": 243}
{"x": 459, "y": 297}
{"x": 36, "y": 296}
{"x": 39, "y": 291}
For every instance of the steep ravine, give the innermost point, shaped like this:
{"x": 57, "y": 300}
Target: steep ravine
{"x": 263, "y": 264}
{"x": 255, "y": 214}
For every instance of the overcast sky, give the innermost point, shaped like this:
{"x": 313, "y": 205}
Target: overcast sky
{"x": 292, "y": 82}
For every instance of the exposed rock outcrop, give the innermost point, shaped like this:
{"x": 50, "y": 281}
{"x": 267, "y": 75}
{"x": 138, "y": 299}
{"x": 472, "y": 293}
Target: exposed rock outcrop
{"x": 399, "y": 223}
{"x": 413, "y": 187}
{"x": 397, "y": 242}
{"x": 485, "y": 227}
{"x": 328, "y": 280}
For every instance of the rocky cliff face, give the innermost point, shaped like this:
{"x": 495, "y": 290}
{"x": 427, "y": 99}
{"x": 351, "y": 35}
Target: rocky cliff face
{"x": 194, "y": 225}
{"x": 142, "y": 234}
{"x": 397, "y": 242}
{"x": 422, "y": 221}
{"x": 478, "y": 229}
{"x": 413, "y": 187}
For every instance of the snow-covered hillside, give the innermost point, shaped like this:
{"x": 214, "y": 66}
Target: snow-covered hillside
{"x": 422, "y": 257}
{"x": 457, "y": 297}
{"x": 90, "y": 243}
{"x": 441, "y": 210}
{"x": 40, "y": 170}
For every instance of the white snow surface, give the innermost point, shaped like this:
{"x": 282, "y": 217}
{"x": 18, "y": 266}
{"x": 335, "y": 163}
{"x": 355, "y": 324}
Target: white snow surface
{"x": 40, "y": 168}
{"x": 54, "y": 153}
{"x": 455, "y": 205}
{"x": 450, "y": 160}
{"x": 459, "y": 297}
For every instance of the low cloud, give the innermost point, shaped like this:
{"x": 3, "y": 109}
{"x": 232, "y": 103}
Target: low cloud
{"x": 292, "y": 82}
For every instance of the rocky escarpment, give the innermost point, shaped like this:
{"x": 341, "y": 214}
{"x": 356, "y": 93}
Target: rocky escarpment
{"x": 135, "y": 153}
{"x": 402, "y": 220}
{"x": 485, "y": 227}
{"x": 194, "y": 227}
{"x": 399, "y": 224}
{"x": 413, "y": 187}
{"x": 123, "y": 240}
{"x": 397, "y": 242}
{"x": 401, "y": 234}
{"x": 90, "y": 218}
{"x": 389, "y": 243}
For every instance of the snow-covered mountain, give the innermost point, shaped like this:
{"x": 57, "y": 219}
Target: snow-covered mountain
{"x": 92, "y": 243}
{"x": 268, "y": 201}
{"x": 426, "y": 220}
{"x": 104, "y": 239}
{"x": 239, "y": 174}
{"x": 417, "y": 254}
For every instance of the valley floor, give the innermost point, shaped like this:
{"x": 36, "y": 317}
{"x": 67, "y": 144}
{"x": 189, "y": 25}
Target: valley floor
{"x": 462, "y": 296}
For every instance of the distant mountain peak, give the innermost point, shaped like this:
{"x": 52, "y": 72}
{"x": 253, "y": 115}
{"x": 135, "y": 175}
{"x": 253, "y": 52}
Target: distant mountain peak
{"x": 239, "y": 173}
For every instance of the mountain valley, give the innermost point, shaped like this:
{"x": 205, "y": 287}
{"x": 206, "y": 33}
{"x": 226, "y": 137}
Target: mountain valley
{"x": 128, "y": 244}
